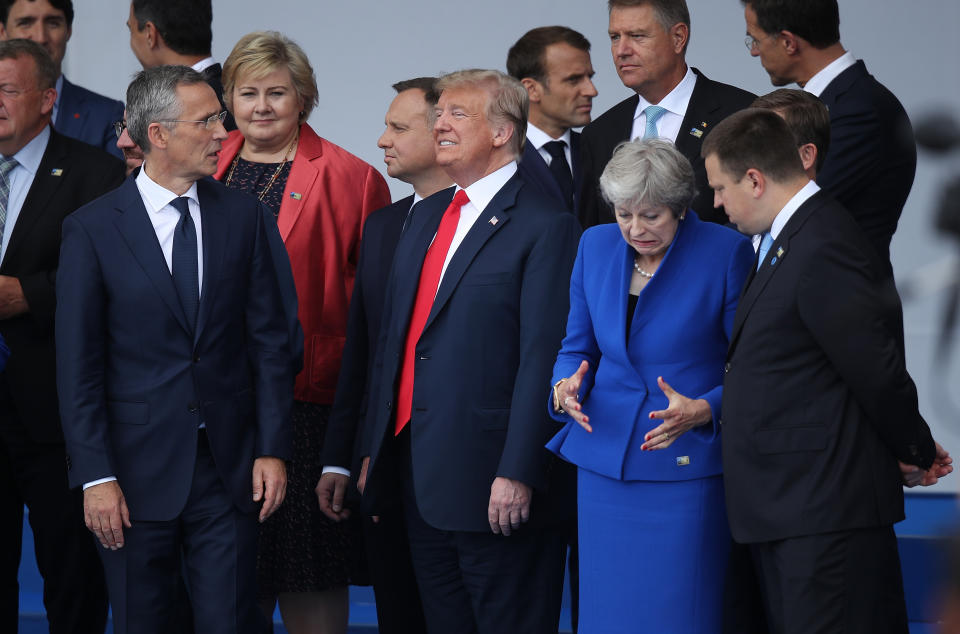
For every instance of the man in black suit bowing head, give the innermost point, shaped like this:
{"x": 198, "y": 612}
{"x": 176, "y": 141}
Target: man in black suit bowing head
{"x": 553, "y": 64}
{"x": 648, "y": 40}
{"x": 817, "y": 403}
{"x": 477, "y": 302}
{"x": 872, "y": 159}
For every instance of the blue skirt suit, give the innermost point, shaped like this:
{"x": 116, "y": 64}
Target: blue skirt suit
{"x": 653, "y": 534}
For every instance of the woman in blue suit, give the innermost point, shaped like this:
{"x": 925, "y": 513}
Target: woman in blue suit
{"x": 638, "y": 382}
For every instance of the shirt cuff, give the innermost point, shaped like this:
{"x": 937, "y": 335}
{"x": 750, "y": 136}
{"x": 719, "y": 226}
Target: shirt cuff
{"x": 340, "y": 470}
{"x": 100, "y": 481}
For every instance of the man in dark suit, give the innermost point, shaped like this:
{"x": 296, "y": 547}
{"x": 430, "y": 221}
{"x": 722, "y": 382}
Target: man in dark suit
{"x": 410, "y": 155}
{"x": 78, "y": 113}
{"x": 45, "y": 176}
{"x": 648, "y": 40}
{"x": 553, "y": 64}
{"x": 872, "y": 159}
{"x": 173, "y": 369}
{"x": 475, "y": 309}
{"x": 817, "y": 403}
{"x": 177, "y": 32}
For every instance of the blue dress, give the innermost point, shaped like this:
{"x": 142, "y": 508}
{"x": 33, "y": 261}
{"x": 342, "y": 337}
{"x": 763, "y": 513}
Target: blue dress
{"x": 653, "y": 534}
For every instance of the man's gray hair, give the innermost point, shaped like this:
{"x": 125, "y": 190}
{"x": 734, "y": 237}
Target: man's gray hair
{"x": 509, "y": 102}
{"x": 152, "y": 96}
{"x": 648, "y": 173}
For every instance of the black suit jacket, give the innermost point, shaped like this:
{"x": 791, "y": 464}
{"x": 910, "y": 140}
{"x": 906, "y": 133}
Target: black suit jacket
{"x": 70, "y": 175}
{"x": 710, "y": 103}
{"x": 535, "y": 170}
{"x": 483, "y": 360}
{"x": 381, "y": 231}
{"x": 872, "y": 159}
{"x": 212, "y": 74}
{"x": 817, "y": 403}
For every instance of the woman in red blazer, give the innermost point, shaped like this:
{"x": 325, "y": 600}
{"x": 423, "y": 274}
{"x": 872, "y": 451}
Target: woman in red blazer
{"x": 320, "y": 195}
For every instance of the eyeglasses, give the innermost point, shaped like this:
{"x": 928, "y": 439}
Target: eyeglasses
{"x": 119, "y": 127}
{"x": 753, "y": 43}
{"x": 208, "y": 123}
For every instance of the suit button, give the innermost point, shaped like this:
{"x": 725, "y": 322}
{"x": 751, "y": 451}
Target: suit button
{"x": 193, "y": 407}
{"x": 196, "y": 358}
{"x": 424, "y": 357}
{"x": 389, "y": 404}
{"x": 726, "y": 368}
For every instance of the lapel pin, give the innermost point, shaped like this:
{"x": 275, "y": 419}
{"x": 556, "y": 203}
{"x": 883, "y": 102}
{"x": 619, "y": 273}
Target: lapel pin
{"x": 296, "y": 196}
{"x": 56, "y": 171}
{"x": 696, "y": 132}
{"x": 493, "y": 221}
{"x": 773, "y": 261}
{"x": 683, "y": 461}
{"x": 76, "y": 115}
{"x": 780, "y": 252}
{"x": 703, "y": 124}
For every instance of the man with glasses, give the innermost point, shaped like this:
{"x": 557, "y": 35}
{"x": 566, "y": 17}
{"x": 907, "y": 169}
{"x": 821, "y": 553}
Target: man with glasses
{"x": 673, "y": 101}
{"x": 44, "y": 176}
{"x": 78, "y": 113}
{"x": 132, "y": 154}
{"x": 174, "y": 374}
{"x": 872, "y": 159}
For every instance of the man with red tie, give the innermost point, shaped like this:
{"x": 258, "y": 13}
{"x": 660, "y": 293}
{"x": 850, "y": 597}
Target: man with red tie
{"x": 475, "y": 310}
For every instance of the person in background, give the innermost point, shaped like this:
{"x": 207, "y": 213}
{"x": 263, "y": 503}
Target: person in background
{"x": 132, "y": 154}
{"x": 410, "y": 153}
{"x": 652, "y": 299}
{"x": 319, "y": 195}
{"x": 77, "y": 113}
{"x": 44, "y": 177}
{"x": 180, "y": 32}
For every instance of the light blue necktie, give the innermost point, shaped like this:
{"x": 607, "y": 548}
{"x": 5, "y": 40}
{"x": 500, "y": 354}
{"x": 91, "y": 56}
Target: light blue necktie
{"x": 6, "y": 166}
{"x": 765, "y": 243}
{"x": 653, "y": 115}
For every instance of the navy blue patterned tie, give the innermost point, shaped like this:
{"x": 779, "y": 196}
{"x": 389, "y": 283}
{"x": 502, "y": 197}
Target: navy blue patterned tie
{"x": 560, "y": 169}
{"x": 185, "y": 274}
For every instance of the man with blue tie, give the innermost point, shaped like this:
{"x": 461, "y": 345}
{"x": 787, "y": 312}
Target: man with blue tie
{"x": 553, "y": 64}
{"x": 78, "y": 113}
{"x": 475, "y": 311}
{"x": 173, "y": 369}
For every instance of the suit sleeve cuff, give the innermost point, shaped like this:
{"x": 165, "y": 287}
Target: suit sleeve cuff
{"x": 100, "y": 481}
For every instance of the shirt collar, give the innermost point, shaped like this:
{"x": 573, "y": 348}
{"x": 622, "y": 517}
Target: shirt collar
{"x": 59, "y": 88}
{"x": 819, "y": 82}
{"x": 792, "y": 205}
{"x": 30, "y": 155}
{"x": 676, "y": 100}
{"x": 203, "y": 64}
{"x": 482, "y": 192}
{"x": 538, "y": 138}
{"x": 158, "y": 196}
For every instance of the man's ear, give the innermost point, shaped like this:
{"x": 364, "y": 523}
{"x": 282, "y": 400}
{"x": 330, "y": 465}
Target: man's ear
{"x": 808, "y": 156}
{"x": 502, "y": 133}
{"x": 789, "y": 42}
{"x": 159, "y": 135}
{"x": 758, "y": 182}
{"x": 534, "y": 89}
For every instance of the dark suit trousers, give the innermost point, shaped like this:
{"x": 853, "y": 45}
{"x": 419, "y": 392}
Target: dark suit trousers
{"x": 35, "y": 474}
{"x": 848, "y": 582}
{"x": 391, "y": 572}
{"x": 479, "y": 582}
{"x": 211, "y": 542}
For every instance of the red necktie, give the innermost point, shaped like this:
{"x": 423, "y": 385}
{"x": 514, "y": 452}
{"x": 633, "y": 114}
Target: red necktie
{"x": 426, "y": 292}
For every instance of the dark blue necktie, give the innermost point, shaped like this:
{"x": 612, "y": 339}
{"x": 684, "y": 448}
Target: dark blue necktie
{"x": 185, "y": 275}
{"x": 560, "y": 169}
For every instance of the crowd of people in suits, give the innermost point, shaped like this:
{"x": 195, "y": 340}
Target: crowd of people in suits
{"x": 255, "y": 380}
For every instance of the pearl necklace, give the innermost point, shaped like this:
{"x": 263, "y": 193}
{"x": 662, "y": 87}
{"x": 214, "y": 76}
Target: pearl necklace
{"x": 636, "y": 267}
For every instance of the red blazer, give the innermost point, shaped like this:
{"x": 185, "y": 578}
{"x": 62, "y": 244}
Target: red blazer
{"x": 329, "y": 194}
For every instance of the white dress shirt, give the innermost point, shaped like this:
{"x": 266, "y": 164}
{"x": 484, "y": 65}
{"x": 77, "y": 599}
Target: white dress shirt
{"x": 56, "y": 104}
{"x": 20, "y": 180}
{"x": 164, "y": 218}
{"x": 203, "y": 64}
{"x": 787, "y": 212}
{"x": 676, "y": 102}
{"x": 538, "y": 138}
{"x": 819, "y": 82}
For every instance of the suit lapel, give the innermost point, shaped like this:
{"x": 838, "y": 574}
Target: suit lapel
{"x": 482, "y": 230}
{"x": 575, "y": 166}
{"x": 215, "y": 228}
{"x": 842, "y": 83}
{"x": 137, "y": 231}
{"x": 46, "y": 182}
{"x": 698, "y": 119}
{"x": 539, "y": 172}
{"x": 303, "y": 174}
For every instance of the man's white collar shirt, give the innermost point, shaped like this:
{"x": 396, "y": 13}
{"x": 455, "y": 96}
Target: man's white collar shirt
{"x": 787, "y": 212}
{"x": 480, "y": 194}
{"x": 203, "y": 64}
{"x": 676, "y": 102}
{"x": 819, "y": 82}
{"x": 165, "y": 217}
{"x": 538, "y": 138}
